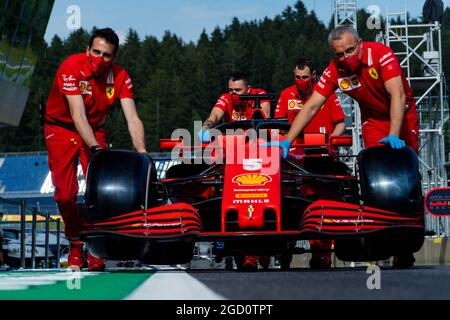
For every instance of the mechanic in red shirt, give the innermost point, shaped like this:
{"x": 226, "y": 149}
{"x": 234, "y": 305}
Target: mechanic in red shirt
{"x": 83, "y": 92}
{"x": 371, "y": 74}
{"x": 330, "y": 120}
{"x": 230, "y": 108}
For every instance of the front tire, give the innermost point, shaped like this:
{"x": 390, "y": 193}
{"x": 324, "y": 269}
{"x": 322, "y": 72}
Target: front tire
{"x": 390, "y": 180}
{"x": 118, "y": 182}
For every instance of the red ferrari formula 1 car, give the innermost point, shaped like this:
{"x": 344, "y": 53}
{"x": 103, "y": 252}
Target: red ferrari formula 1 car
{"x": 250, "y": 205}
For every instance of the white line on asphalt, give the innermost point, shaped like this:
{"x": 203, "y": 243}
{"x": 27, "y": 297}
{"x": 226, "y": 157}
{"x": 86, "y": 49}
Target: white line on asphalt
{"x": 173, "y": 286}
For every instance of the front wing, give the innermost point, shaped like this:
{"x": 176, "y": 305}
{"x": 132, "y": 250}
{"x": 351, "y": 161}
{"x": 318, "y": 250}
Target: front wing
{"x": 322, "y": 219}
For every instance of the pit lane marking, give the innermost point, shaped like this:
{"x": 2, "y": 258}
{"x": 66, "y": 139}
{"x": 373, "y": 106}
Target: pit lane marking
{"x": 173, "y": 286}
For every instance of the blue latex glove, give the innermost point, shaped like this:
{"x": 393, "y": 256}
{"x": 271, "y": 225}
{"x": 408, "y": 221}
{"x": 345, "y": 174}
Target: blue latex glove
{"x": 204, "y": 136}
{"x": 284, "y": 145}
{"x": 393, "y": 141}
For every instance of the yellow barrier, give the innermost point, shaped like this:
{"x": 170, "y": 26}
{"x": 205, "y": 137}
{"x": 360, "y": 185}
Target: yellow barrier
{"x": 28, "y": 218}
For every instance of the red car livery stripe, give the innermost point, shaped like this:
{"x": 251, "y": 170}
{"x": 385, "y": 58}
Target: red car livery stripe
{"x": 169, "y": 220}
{"x": 337, "y": 217}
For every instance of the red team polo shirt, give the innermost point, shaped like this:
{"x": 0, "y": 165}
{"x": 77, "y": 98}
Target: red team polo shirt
{"x": 244, "y": 112}
{"x": 74, "y": 77}
{"x": 366, "y": 86}
{"x": 290, "y": 103}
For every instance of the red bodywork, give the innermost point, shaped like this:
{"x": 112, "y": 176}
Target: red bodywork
{"x": 166, "y": 221}
{"x": 251, "y": 186}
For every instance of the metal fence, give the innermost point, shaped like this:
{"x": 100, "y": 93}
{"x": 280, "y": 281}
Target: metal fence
{"x": 24, "y": 212}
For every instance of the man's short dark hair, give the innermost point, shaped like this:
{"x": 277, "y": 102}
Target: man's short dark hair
{"x": 109, "y": 35}
{"x": 239, "y": 75}
{"x": 302, "y": 63}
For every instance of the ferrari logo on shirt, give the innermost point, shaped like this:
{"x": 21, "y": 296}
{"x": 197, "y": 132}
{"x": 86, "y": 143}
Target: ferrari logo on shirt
{"x": 374, "y": 73}
{"x": 85, "y": 87}
{"x": 295, "y": 105}
{"x": 349, "y": 83}
{"x": 110, "y": 92}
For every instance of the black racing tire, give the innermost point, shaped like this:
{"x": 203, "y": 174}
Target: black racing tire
{"x": 390, "y": 180}
{"x": 119, "y": 182}
{"x": 169, "y": 252}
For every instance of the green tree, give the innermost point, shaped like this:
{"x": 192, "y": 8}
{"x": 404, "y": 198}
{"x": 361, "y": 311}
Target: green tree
{"x": 177, "y": 82}
{"x": 77, "y": 42}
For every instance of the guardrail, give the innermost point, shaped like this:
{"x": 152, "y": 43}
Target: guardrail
{"x": 47, "y": 219}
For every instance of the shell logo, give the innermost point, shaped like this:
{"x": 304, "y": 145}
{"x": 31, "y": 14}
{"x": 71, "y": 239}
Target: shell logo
{"x": 85, "y": 87}
{"x": 250, "y": 180}
{"x": 345, "y": 84}
{"x": 292, "y": 104}
{"x": 295, "y": 105}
